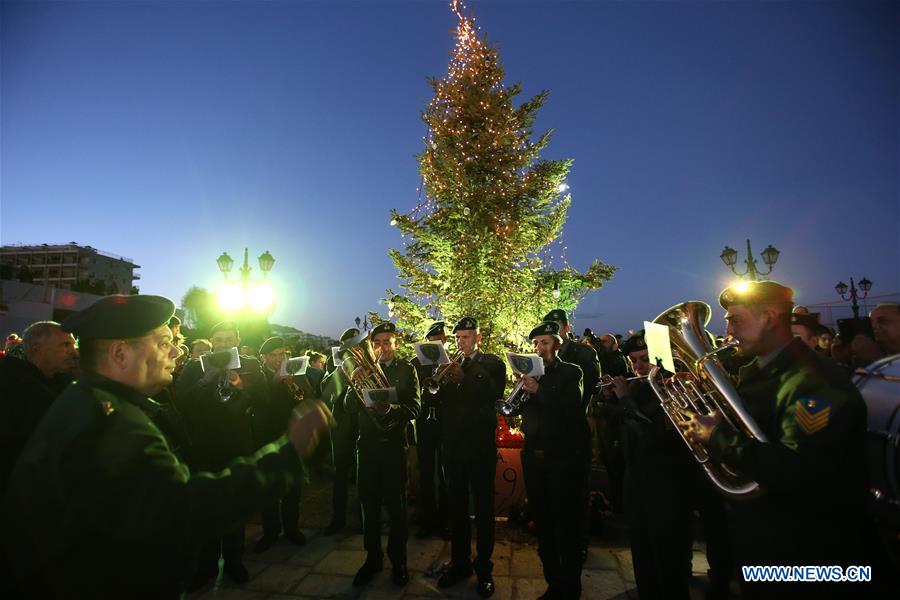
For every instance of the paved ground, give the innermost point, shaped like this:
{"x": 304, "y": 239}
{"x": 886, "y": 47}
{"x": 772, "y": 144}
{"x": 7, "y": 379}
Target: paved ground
{"x": 324, "y": 567}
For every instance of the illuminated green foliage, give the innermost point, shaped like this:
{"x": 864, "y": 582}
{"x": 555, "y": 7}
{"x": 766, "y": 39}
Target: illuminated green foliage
{"x": 479, "y": 241}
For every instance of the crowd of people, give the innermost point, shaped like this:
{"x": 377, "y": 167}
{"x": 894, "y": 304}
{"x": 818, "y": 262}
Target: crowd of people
{"x": 132, "y": 454}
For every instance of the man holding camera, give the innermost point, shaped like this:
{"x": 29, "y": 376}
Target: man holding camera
{"x": 220, "y": 407}
{"x": 99, "y": 506}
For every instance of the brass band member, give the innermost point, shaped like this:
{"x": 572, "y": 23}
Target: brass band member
{"x": 469, "y": 450}
{"x": 812, "y": 468}
{"x": 432, "y": 500}
{"x": 381, "y": 459}
{"x": 556, "y": 461}
{"x": 578, "y": 354}
{"x": 284, "y": 394}
{"x": 335, "y": 389}
{"x": 662, "y": 487}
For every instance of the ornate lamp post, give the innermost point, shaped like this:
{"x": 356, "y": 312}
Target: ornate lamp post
{"x": 250, "y": 292}
{"x": 769, "y": 255}
{"x": 864, "y": 284}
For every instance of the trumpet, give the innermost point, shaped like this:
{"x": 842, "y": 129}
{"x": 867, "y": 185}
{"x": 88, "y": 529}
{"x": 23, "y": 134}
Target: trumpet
{"x": 433, "y": 383}
{"x": 605, "y": 383}
{"x": 516, "y": 399}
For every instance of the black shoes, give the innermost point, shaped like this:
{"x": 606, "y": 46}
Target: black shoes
{"x": 368, "y": 571}
{"x": 401, "y": 575}
{"x": 333, "y": 528}
{"x": 454, "y": 575}
{"x": 237, "y": 572}
{"x": 265, "y": 542}
{"x": 486, "y": 586}
{"x": 295, "y": 537}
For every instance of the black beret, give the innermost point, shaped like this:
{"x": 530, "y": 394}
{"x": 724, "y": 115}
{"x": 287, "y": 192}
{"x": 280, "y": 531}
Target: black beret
{"x": 437, "y": 328}
{"x": 349, "y": 334}
{"x": 223, "y": 326}
{"x": 386, "y": 327}
{"x": 273, "y": 343}
{"x": 811, "y": 321}
{"x": 120, "y": 317}
{"x": 756, "y": 292}
{"x": 466, "y": 323}
{"x": 174, "y": 321}
{"x": 546, "y": 328}
{"x": 635, "y": 343}
{"x": 558, "y": 315}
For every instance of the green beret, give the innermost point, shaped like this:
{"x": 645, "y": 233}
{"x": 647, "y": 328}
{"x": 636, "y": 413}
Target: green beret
{"x": 120, "y": 317}
{"x": 466, "y": 323}
{"x": 273, "y": 343}
{"x": 756, "y": 292}
{"x": 386, "y": 327}
{"x": 223, "y": 326}
{"x": 546, "y": 328}
{"x": 349, "y": 334}
{"x": 558, "y": 315}
{"x": 635, "y": 343}
{"x": 437, "y": 328}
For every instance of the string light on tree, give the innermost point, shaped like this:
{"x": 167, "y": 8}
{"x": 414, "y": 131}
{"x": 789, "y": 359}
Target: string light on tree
{"x": 489, "y": 208}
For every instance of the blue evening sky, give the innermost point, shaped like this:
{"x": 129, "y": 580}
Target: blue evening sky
{"x": 169, "y": 132}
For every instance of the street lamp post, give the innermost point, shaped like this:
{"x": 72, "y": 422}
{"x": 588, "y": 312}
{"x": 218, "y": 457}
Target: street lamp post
{"x": 769, "y": 255}
{"x": 864, "y": 284}
{"x": 256, "y": 294}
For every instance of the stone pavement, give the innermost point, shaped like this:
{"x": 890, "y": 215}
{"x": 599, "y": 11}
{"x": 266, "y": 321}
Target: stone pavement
{"x": 324, "y": 568}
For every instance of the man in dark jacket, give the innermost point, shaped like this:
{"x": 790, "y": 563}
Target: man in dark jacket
{"x": 335, "y": 388}
{"x": 469, "y": 452}
{"x": 381, "y": 456}
{"x": 221, "y": 408}
{"x": 28, "y": 387}
{"x": 284, "y": 394}
{"x": 98, "y": 506}
{"x": 432, "y": 499}
{"x": 556, "y": 461}
{"x": 812, "y": 466}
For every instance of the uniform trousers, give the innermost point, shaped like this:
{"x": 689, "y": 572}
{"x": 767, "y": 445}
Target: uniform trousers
{"x": 556, "y": 494}
{"x": 381, "y": 479}
{"x": 475, "y": 469}
{"x": 343, "y": 443}
{"x": 432, "y": 487}
{"x": 289, "y": 514}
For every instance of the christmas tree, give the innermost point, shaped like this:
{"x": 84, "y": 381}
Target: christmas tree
{"x": 479, "y": 241}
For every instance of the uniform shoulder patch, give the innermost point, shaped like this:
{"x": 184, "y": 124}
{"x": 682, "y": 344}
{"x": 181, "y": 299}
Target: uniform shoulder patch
{"x": 812, "y": 414}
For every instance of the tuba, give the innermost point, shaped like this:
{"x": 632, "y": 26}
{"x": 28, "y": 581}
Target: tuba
{"x": 361, "y": 367}
{"x": 705, "y": 388}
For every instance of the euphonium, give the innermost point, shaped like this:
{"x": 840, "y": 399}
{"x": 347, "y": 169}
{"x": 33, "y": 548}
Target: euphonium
{"x": 704, "y": 389}
{"x": 361, "y": 367}
{"x": 433, "y": 383}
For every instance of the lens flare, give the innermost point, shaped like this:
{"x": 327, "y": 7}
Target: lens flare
{"x": 260, "y": 297}
{"x": 231, "y": 297}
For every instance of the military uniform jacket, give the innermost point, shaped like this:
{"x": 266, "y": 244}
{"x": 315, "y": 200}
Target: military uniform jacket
{"x": 468, "y": 409}
{"x": 813, "y": 467}
{"x": 221, "y": 431}
{"x": 649, "y": 439}
{"x": 99, "y": 507}
{"x": 402, "y": 376}
{"x": 553, "y": 421}
{"x": 25, "y": 395}
{"x": 272, "y": 418}
{"x": 586, "y": 358}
